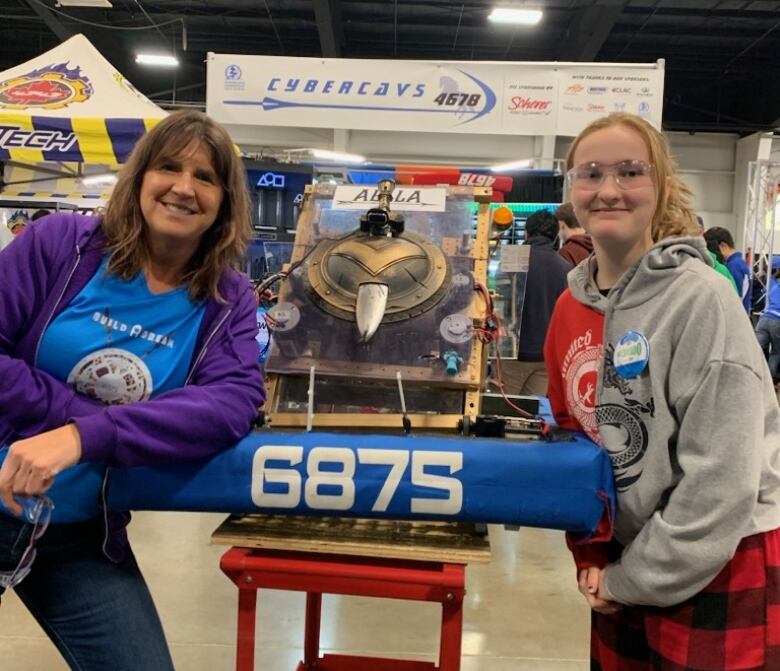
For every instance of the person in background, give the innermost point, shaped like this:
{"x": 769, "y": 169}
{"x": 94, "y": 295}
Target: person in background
{"x": 545, "y": 281}
{"x": 649, "y": 353}
{"x": 716, "y": 258}
{"x": 734, "y": 262}
{"x": 714, "y": 249}
{"x": 39, "y": 213}
{"x": 768, "y": 326}
{"x": 576, "y": 244}
{"x": 125, "y": 340}
{"x": 18, "y": 222}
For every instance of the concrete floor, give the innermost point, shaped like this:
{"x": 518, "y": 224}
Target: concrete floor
{"x": 522, "y": 611}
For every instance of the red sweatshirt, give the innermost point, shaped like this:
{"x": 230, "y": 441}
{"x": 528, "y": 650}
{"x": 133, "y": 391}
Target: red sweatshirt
{"x": 572, "y": 354}
{"x": 573, "y": 351}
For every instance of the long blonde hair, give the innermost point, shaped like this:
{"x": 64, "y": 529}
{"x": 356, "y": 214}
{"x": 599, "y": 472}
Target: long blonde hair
{"x": 673, "y": 213}
{"x": 223, "y": 245}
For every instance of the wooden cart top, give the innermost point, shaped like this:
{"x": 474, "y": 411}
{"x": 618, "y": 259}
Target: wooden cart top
{"x": 450, "y": 542}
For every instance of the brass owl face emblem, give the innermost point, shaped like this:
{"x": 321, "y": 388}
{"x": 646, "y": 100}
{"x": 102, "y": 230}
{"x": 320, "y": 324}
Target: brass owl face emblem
{"x": 370, "y": 279}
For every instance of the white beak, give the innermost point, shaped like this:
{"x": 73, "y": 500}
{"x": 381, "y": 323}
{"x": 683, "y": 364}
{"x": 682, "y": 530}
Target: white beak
{"x": 370, "y": 308}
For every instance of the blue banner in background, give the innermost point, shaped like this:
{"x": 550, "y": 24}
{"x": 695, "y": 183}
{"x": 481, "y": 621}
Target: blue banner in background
{"x": 560, "y": 485}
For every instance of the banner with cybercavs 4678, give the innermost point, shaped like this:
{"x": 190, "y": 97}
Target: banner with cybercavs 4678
{"x": 425, "y": 96}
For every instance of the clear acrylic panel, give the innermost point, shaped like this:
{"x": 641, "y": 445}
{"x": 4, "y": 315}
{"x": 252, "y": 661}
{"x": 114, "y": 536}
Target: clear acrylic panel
{"x": 434, "y": 346}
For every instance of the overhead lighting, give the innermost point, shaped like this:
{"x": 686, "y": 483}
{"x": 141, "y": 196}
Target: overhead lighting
{"x": 528, "y": 17}
{"x": 96, "y": 180}
{"x": 156, "y": 59}
{"x": 83, "y": 3}
{"x": 336, "y": 156}
{"x": 512, "y": 165}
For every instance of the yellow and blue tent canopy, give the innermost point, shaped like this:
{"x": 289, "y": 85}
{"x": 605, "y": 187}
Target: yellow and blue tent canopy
{"x": 31, "y": 139}
{"x": 70, "y": 104}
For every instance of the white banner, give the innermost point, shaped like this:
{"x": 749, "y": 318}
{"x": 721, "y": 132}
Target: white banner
{"x": 405, "y": 198}
{"x": 427, "y": 96}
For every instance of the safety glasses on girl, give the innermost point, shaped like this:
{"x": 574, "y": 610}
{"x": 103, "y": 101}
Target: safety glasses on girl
{"x": 37, "y": 512}
{"x": 627, "y": 174}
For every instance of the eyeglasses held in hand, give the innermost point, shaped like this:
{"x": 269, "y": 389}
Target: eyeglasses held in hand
{"x": 627, "y": 175}
{"x": 37, "y": 511}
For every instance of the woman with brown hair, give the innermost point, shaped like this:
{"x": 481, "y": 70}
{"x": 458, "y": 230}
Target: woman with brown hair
{"x": 650, "y": 353}
{"x": 125, "y": 340}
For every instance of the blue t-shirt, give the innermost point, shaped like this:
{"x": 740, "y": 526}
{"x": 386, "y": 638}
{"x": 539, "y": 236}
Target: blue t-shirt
{"x": 772, "y": 310}
{"x": 117, "y": 342}
{"x": 741, "y": 273}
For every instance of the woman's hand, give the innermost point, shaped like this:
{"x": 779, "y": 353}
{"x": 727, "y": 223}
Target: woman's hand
{"x": 590, "y": 586}
{"x": 32, "y": 464}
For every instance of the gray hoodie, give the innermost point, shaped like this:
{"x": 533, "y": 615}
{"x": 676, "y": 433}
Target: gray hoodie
{"x": 695, "y": 438}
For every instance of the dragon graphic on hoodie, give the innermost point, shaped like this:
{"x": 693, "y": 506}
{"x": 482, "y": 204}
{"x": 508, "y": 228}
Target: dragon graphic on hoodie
{"x": 626, "y": 418}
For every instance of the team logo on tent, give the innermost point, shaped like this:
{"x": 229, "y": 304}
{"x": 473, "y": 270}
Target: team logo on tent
{"x": 51, "y": 87}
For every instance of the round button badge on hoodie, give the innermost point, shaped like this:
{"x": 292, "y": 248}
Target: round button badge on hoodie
{"x": 631, "y": 354}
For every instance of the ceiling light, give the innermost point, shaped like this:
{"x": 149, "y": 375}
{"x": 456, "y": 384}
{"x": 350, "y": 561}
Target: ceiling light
{"x": 96, "y": 180}
{"x": 529, "y": 17}
{"x": 156, "y": 59}
{"x": 83, "y": 3}
{"x": 326, "y": 155}
{"x": 513, "y": 165}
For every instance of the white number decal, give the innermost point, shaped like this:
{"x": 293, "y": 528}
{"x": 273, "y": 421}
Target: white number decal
{"x": 293, "y": 454}
{"x": 398, "y": 460}
{"x": 342, "y": 479}
{"x": 454, "y": 501}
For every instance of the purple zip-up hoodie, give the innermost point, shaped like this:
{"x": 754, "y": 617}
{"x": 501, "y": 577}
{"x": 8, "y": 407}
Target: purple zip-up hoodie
{"x": 43, "y": 270}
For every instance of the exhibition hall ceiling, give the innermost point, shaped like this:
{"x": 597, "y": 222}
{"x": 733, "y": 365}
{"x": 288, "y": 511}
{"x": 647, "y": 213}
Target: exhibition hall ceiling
{"x": 722, "y": 57}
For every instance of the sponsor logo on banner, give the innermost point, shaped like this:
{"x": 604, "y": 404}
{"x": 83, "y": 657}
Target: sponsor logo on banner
{"x": 50, "y": 87}
{"x": 644, "y": 108}
{"x": 644, "y": 92}
{"x": 351, "y": 197}
{"x": 574, "y": 89}
{"x": 597, "y": 108}
{"x": 528, "y": 105}
{"x": 573, "y": 108}
{"x": 13, "y": 137}
{"x": 621, "y": 90}
{"x": 619, "y": 106}
{"x": 597, "y": 90}
{"x": 233, "y": 78}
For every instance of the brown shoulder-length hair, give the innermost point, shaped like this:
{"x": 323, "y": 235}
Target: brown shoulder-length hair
{"x": 673, "y": 213}
{"x": 223, "y": 244}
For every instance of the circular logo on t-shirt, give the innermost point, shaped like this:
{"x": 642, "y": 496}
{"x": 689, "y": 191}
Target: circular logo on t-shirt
{"x": 581, "y": 380}
{"x": 114, "y": 376}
